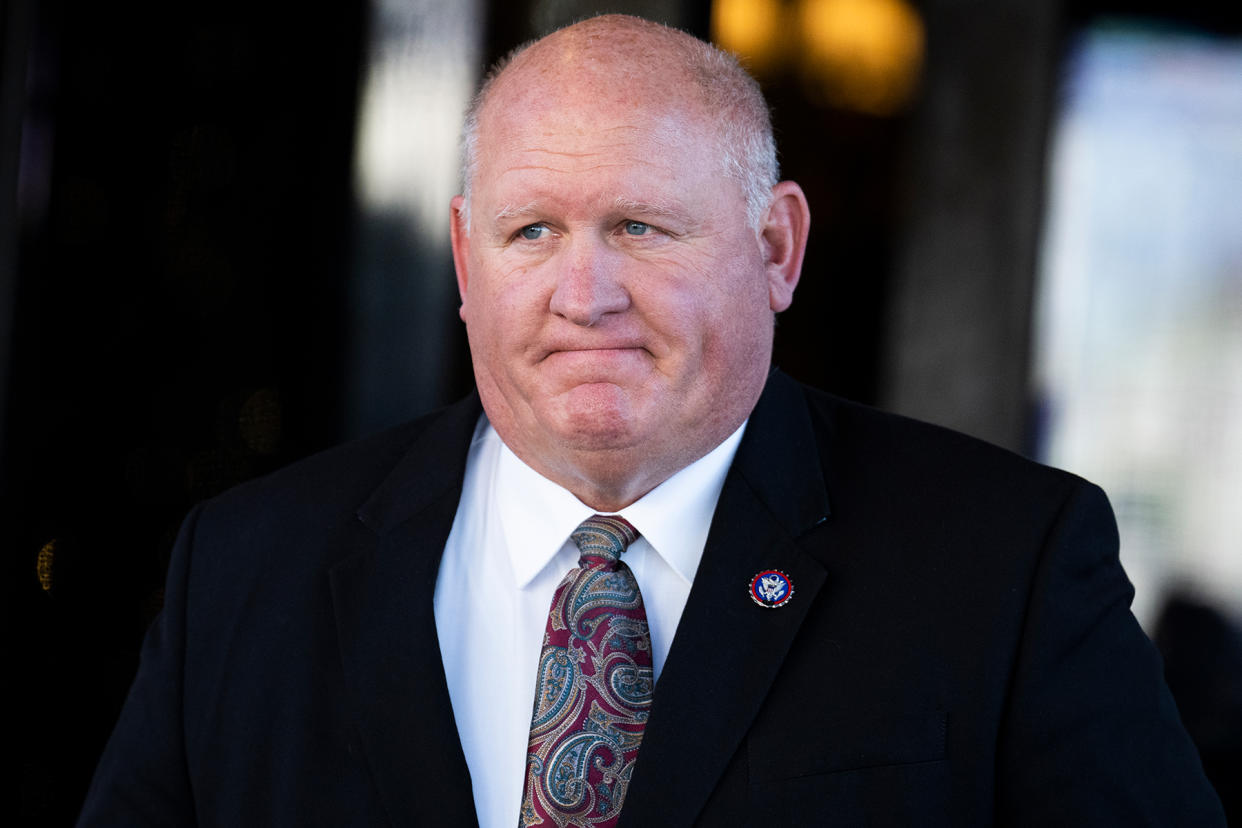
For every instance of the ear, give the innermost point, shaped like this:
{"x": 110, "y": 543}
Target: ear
{"x": 459, "y": 234}
{"x": 784, "y": 232}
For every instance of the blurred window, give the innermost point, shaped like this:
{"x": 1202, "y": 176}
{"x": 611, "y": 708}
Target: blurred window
{"x": 1138, "y": 357}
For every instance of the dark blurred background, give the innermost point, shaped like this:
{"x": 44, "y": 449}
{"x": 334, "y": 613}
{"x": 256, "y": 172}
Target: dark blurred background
{"x": 223, "y": 246}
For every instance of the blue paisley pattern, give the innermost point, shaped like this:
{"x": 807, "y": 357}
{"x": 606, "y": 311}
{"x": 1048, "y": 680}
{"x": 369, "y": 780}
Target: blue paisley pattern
{"x": 593, "y": 690}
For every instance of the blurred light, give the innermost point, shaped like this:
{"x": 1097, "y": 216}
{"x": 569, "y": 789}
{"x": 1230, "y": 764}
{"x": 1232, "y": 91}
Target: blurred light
{"x": 751, "y": 29}
{"x": 421, "y": 58}
{"x": 45, "y": 564}
{"x": 864, "y": 55}
{"x": 417, "y": 82}
{"x": 861, "y": 54}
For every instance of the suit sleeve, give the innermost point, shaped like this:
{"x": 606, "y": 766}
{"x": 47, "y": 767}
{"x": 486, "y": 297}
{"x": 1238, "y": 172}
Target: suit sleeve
{"x": 1091, "y": 735}
{"x": 142, "y": 777}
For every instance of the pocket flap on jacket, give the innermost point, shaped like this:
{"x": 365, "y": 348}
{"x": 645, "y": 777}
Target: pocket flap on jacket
{"x": 826, "y": 745}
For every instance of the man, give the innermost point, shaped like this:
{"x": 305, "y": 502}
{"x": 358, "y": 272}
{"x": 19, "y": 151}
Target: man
{"x": 849, "y": 618}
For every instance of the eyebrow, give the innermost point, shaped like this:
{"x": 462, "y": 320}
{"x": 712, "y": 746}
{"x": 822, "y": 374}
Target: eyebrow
{"x": 622, "y": 204}
{"x": 510, "y": 211}
{"x": 666, "y": 209}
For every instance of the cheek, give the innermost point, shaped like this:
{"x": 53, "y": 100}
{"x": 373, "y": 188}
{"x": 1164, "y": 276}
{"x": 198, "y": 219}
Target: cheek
{"x": 494, "y": 291}
{"x": 707, "y": 299}
{"x": 502, "y": 311}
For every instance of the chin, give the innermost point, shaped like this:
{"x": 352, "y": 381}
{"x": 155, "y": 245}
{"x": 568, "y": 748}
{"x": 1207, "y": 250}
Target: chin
{"x": 595, "y": 418}
{"x": 597, "y": 431}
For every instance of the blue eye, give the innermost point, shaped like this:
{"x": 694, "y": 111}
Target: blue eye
{"x": 636, "y": 228}
{"x": 532, "y": 232}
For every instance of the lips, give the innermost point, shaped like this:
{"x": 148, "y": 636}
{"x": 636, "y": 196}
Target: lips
{"x": 599, "y": 348}
{"x": 603, "y": 350}
{"x": 594, "y": 353}
{"x": 595, "y": 364}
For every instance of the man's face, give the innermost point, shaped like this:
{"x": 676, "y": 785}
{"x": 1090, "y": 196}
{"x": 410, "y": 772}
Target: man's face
{"x": 617, "y": 302}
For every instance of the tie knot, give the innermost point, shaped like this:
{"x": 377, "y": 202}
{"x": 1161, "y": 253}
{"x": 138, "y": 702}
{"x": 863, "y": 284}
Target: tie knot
{"x": 603, "y": 538}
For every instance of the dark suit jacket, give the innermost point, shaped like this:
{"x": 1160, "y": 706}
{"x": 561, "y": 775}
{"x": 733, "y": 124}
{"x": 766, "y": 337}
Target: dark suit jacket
{"x": 958, "y": 649}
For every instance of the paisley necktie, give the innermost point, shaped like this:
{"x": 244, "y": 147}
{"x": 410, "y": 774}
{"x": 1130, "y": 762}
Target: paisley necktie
{"x": 594, "y": 687}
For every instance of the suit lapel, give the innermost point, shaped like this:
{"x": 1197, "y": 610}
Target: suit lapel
{"x": 727, "y": 650}
{"x": 382, "y": 597}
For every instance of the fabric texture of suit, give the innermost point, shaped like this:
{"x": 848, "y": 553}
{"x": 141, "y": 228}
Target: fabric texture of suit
{"x": 958, "y": 649}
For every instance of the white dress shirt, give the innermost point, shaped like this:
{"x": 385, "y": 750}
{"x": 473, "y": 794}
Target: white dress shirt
{"x": 507, "y": 552}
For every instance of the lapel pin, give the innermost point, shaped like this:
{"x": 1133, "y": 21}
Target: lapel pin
{"x": 771, "y": 588}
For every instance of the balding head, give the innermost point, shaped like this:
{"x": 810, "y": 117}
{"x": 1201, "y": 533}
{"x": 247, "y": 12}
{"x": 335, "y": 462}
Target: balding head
{"x": 641, "y": 60}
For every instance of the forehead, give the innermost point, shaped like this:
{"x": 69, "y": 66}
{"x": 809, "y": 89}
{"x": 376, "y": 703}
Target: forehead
{"x": 591, "y": 132}
{"x": 540, "y": 120}
{"x": 555, "y": 164}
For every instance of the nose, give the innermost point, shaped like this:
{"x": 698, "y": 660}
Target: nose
{"x": 588, "y": 282}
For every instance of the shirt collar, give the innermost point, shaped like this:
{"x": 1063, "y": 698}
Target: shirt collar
{"x": 537, "y": 516}
{"x": 675, "y": 516}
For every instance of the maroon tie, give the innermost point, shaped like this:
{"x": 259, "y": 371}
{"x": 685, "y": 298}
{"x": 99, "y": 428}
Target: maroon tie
{"x": 594, "y": 687}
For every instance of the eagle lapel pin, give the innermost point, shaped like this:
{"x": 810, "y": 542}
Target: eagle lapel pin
{"x": 771, "y": 588}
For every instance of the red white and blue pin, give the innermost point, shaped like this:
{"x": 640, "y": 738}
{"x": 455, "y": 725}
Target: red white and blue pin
{"x": 771, "y": 588}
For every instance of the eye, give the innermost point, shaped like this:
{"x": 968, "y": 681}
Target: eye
{"x": 636, "y": 228}
{"x": 532, "y": 232}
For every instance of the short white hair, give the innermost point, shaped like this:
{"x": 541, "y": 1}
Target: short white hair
{"x": 728, "y": 93}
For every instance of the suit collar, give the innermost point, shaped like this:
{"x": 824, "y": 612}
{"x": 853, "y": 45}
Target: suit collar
{"x": 434, "y": 464}
{"x": 780, "y": 457}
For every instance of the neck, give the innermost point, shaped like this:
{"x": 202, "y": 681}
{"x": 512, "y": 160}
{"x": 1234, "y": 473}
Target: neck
{"x": 603, "y": 480}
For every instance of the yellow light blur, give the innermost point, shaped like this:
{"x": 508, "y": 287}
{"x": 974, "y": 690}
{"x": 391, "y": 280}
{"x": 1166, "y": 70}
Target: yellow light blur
{"x": 861, "y": 54}
{"x": 750, "y": 29}
{"x": 45, "y": 564}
